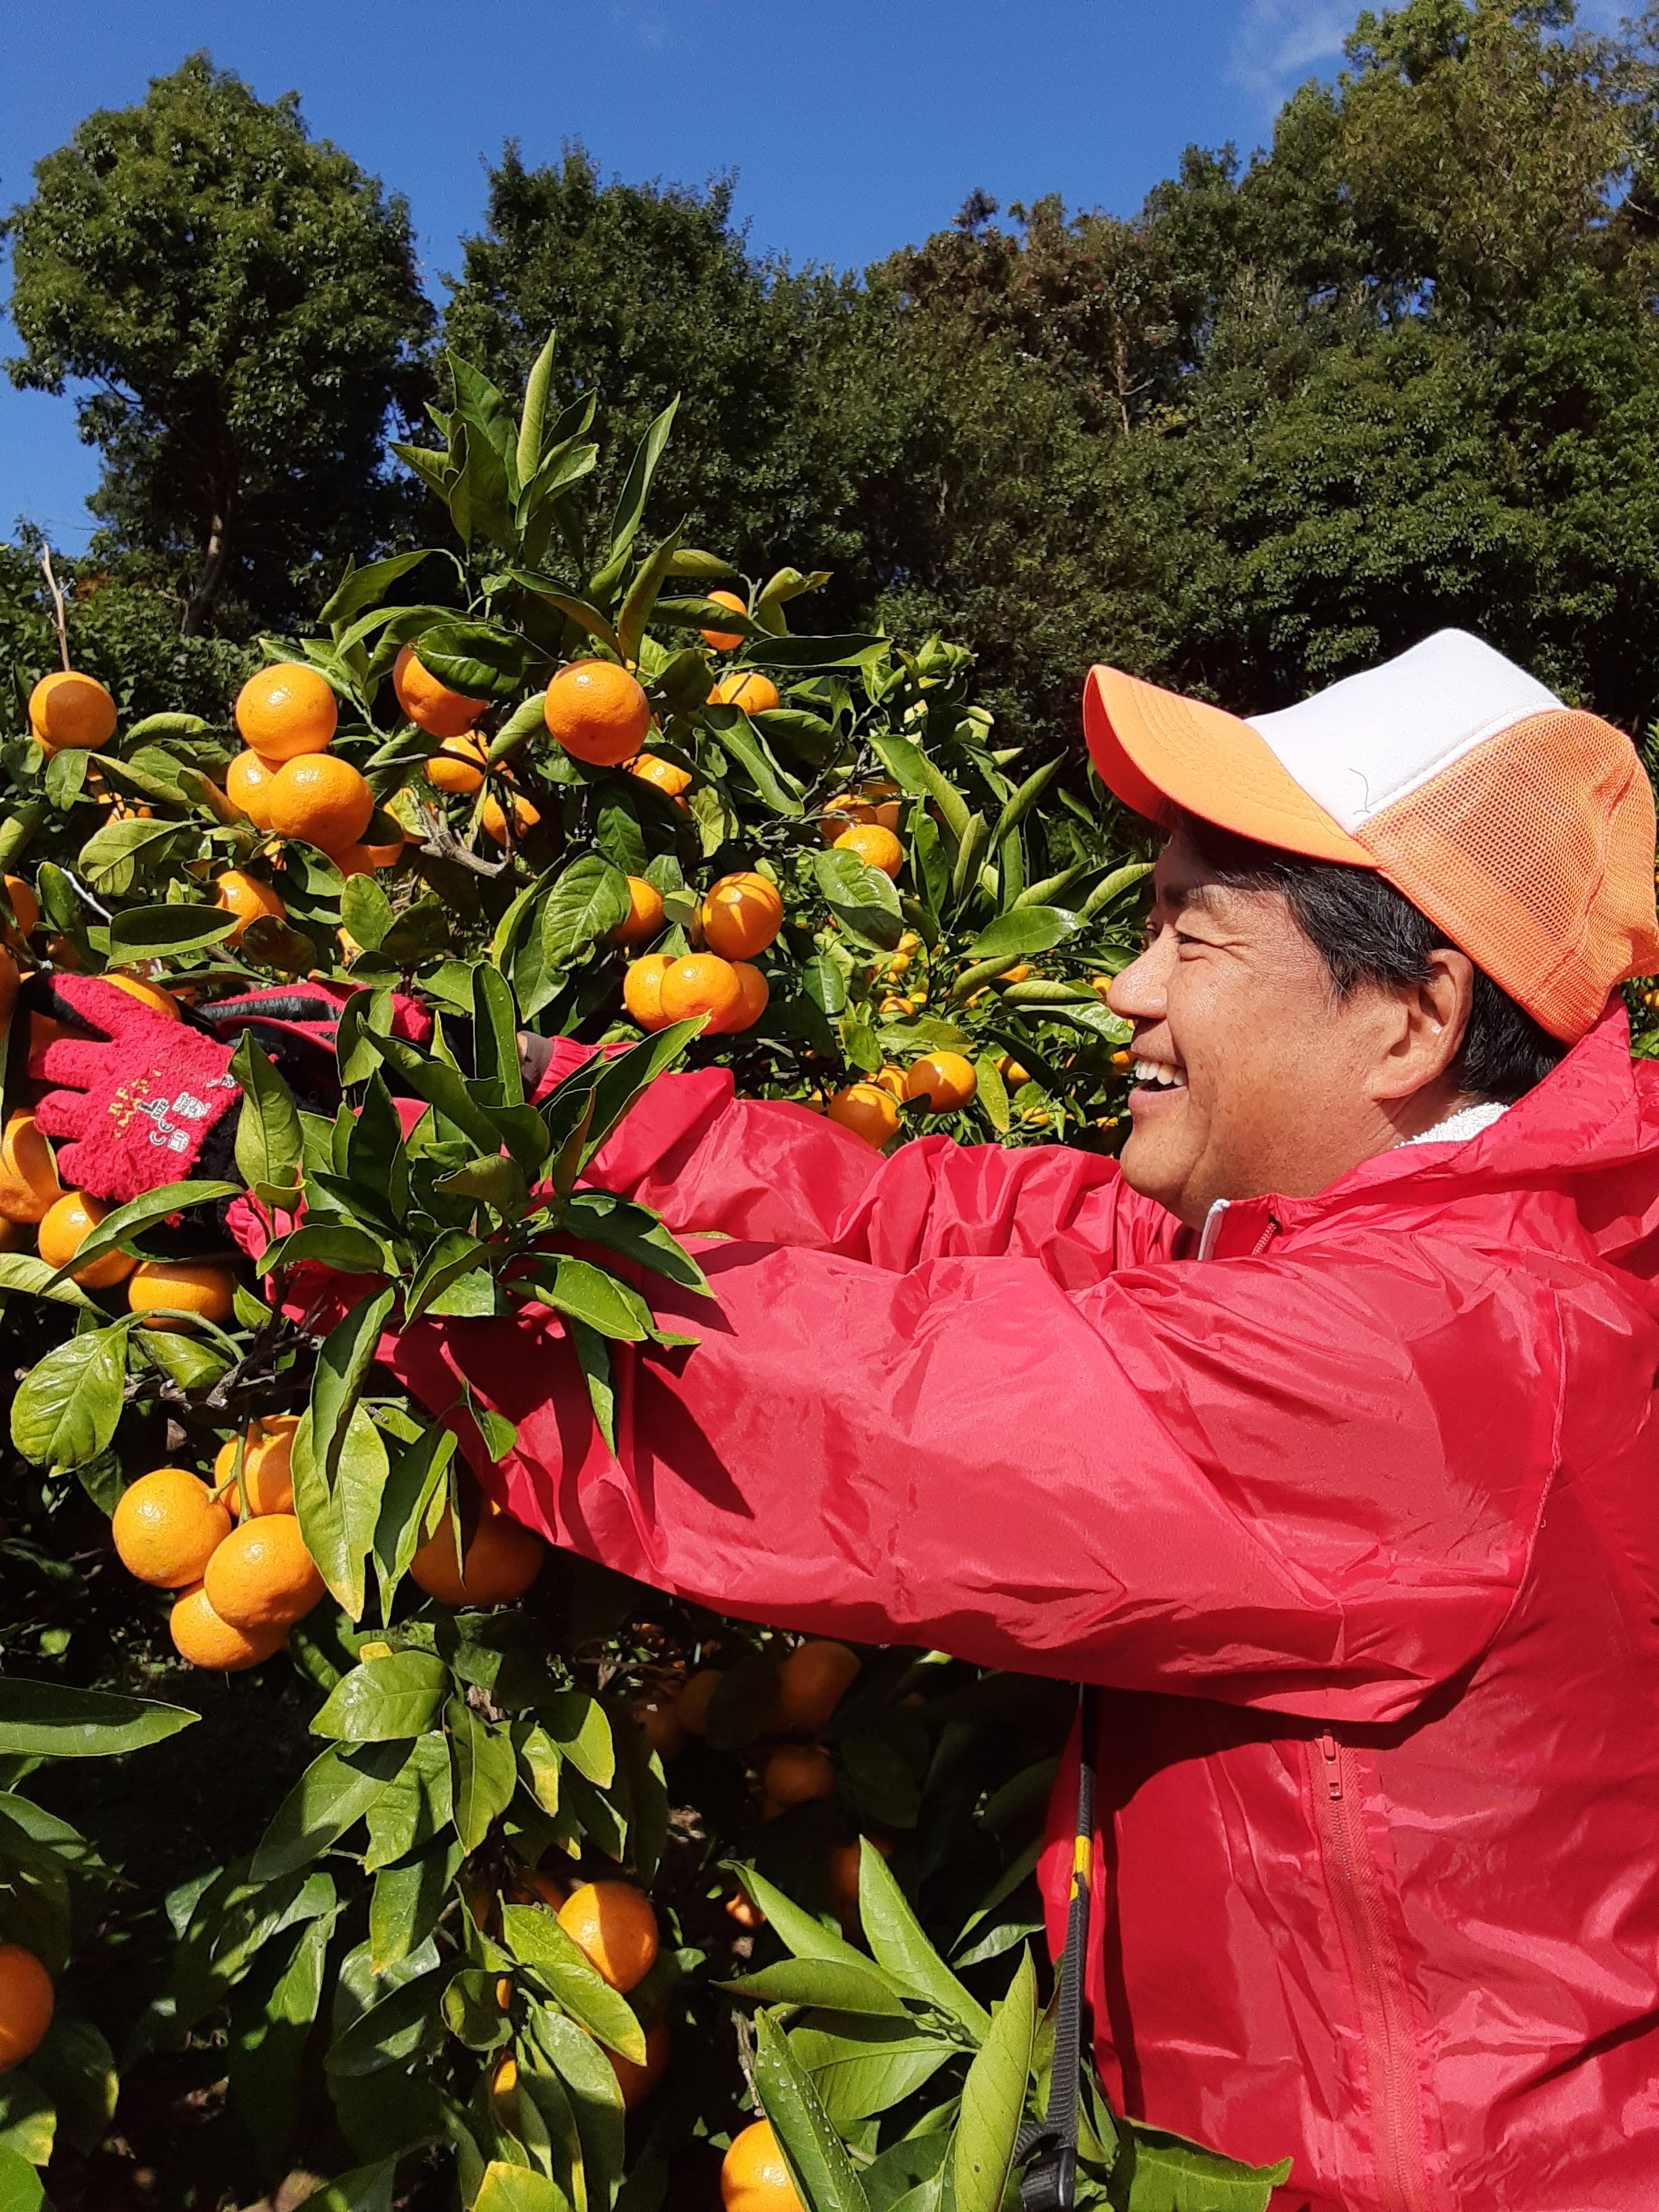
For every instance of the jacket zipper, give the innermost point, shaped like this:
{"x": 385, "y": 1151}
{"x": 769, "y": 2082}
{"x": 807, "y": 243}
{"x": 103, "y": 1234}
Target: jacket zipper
{"x": 1379, "y": 1980}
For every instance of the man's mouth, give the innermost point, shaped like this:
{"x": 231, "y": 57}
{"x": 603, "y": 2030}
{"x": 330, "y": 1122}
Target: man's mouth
{"x": 1159, "y": 1075}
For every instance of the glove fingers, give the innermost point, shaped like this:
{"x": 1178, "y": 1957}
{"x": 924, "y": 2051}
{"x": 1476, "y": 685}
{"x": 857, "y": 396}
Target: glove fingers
{"x": 75, "y": 1061}
{"x": 61, "y": 1114}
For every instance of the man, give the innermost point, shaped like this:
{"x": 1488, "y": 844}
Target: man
{"x": 1320, "y": 1433}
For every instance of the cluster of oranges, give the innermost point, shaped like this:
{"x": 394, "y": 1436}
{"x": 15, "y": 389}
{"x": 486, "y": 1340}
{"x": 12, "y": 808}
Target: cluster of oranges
{"x": 33, "y": 1197}
{"x": 739, "y": 919}
{"x": 289, "y": 785}
{"x": 232, "y": 1550}
{"x": 939, "y": 1082}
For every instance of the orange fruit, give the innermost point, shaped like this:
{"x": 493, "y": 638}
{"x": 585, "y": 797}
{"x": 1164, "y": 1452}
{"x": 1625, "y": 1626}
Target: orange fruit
{"x": 66, "y": 1226}
{"x": 149, "y": 996}
{"x": 26, "y": 2004}
{"x": 457, "y": 767}
{"x": 286, "y": 710}
{"x": 644, "y": 913}
{"x": 597, "y": 712}
{"x": 944, "y": 1080}
{"x": 742, "y": 1908}
{"x": 841, "y": 1876}
{"x": 691, "y": 1706}
{"x": 890, "y": 1080}
{"x": 319, "y": 799}
{"x": 248, "y": 898}
{"x": 754, "y": 2177}
{"x": 664, "y": 1729}
{"x": 28, "y": 1172}
{"x": 614, "y": 1925}
{"x": 503, "y": 2083}
{"x": 167, "y": 1526}
{"x": 867, "y": 1111}
{"x": 746, "y": 688}
{"x": 247, "y": 785}
{"x": 525, "y": 817}
{"x": 193, "y": 1286}
{"x": 741, "y": 917}
{"x": 70, "y": 711}
{"x": 875, "y": 846}
{"x": 812, "y": 1681}
{"x": 373, "y": 850}
{"x": 24, "y": 904}
{"x": 638, "y": 2081}
{"x": 753, "y": 986}
{"x": 267, "y": 1467}
{"x": 531, "y": 1887}
{"x": 503, "y": 1558}
{"x": 430, "y": 705}
{"x": 643, "y": 990}
{"x": 722, "y": 641}
{"x": 1013, "y": 1073}
{"x": 852, "y": 809}
{"x": 702, "y": 983}
{"x": 666, "y": 776}
{"x": 796, "y": 1773}
{"x": 200, "y": 1636}
{"x": 262, "y": 1576}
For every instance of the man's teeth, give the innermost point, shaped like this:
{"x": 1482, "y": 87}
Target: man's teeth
{"x": 1159, "y": 1072}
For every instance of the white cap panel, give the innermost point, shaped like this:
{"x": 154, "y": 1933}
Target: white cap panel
{"x": 1365, "y": 742}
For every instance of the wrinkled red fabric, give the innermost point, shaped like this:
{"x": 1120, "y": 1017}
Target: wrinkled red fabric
{"x": 1355, "y": 1519}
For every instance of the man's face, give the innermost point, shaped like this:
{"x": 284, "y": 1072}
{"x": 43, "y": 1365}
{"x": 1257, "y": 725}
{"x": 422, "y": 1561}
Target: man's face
{"x": 1252, "y": 1075}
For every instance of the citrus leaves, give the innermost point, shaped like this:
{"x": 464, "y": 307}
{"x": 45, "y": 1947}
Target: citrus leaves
{"x": 68, "y": 1405}
{"x": 44, "y": 1720}
{"x": 994, "y": 2097}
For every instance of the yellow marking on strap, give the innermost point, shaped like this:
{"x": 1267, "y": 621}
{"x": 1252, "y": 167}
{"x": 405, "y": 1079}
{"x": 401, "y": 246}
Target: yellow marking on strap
{"x": 1082, "y": 1857}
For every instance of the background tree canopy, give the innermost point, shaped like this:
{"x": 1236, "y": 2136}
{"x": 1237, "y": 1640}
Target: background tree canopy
{"x": 1399, "y": 368}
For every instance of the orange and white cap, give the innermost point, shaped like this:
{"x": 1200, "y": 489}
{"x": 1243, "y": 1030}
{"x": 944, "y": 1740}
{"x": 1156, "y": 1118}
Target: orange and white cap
{"x": 1522, "y": 827}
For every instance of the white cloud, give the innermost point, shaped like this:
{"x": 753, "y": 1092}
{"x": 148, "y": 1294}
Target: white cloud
{"x": 1282, "y": 42}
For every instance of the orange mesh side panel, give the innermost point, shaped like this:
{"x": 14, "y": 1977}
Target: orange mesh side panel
{"x": 1535, "y": 854}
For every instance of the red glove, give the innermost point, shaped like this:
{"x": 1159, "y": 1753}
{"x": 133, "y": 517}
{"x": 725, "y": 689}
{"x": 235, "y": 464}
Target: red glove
{"x": 139, "y": 1097}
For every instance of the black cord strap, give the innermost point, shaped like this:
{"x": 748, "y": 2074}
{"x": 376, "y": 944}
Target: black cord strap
{"x": 1049, "y": 2184}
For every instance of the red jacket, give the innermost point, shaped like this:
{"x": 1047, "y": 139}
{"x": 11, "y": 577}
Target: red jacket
{"x": 1358, "y": 1519}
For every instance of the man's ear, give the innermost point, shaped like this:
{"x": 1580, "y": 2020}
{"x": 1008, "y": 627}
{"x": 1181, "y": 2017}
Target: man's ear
{"x": 1426, "y": 1028}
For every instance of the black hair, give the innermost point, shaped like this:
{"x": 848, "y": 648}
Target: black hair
{"x": 1366, "y": 932}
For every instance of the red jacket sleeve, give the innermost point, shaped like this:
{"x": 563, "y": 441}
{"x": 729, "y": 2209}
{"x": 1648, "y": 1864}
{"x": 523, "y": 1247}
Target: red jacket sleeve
{"x": 938, "y": 1401}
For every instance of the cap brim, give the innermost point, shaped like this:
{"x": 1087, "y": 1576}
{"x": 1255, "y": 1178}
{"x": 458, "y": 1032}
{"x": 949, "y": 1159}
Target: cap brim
{"x": 1163, "y": 755}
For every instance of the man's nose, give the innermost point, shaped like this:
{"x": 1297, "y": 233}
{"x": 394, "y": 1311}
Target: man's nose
{"x": 1139, "y": 993}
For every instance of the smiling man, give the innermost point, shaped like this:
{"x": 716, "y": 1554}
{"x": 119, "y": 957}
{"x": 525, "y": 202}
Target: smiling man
{"x": 1320, "y": 1432}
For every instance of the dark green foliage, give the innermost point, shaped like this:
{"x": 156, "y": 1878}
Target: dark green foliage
{"x": 245, "y": 303}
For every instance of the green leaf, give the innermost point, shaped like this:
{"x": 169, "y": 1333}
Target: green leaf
{"x": 365, "y": 2189}
{"x": 21, "y": 2187}
{"x": 366, "y": 586}
{"x": 407, "y": 1901}
{"x": 867, "y": 2066}
{"x": 122, "y": 1222}
{"x": 114, "y": 856}
{"x": 895, "y": 1938}
{"x": 43, "y": 1720}
{"x": 582, "y": 1728}
{"x": 1165, "y": 2172}
{"x": 148, "y": 933}
{"x": 599, "y": 1216}
{"x": 481, "y": 660}
{"x": 1114, "y": 885}
{"x": 518, "y": 2189}
{"x": 334, "y": 1792}
{"x": 797, "y": 1930}
{"x": 994, "y": 2097}
{"x": 537, "y": 1941}
{"x": 382, "y": 1700}
{"x": 404, "y": 2021}
{"x": 365, "y": 912}
{"x": 484, "y": 1771}
{"x": 22, "y": 1271}
{"x": 630, "y": 511}
{"x": 861, "y": 898}
{"x": 593, "y": 1353}
{"x": 815, "y": 2154}
{"x": 1021, "y": 803}
{"x": 586, "y": 1293}
{"x": 496, "y": 1034}
{"x": 1023, "y": 929}
{"x": 533, "y": 414}
{"x": 67, "y": 1407}
{"x": 741, "y": 738}
{"x": 342, "y": 1363}
{"x": 411, "y": 1484}
{"x": 268, "y": 1148}
{"x": 797, "y": 653}
{"x": 642, "y": 597}
{"x": 588, "y": 901}
{"x": 822, "y": 1983}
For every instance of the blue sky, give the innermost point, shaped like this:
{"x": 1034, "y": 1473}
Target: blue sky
{"x": 853, "y": 128}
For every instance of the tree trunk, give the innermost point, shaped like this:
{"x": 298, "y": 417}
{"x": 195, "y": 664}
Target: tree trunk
{"x": 199, "y": 606}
